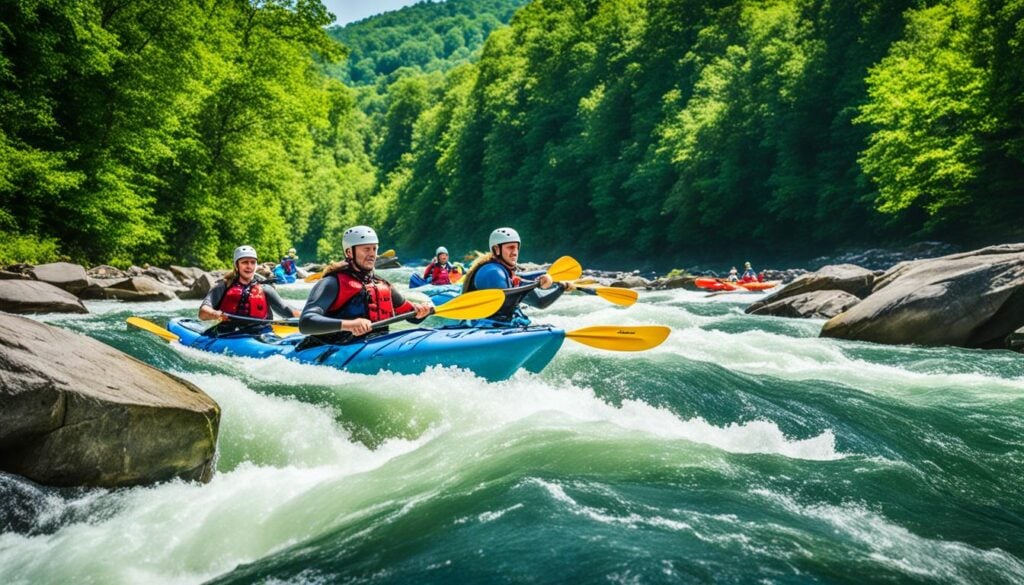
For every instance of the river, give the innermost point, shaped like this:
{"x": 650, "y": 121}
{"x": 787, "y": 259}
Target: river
{"x": 742, "y": 450}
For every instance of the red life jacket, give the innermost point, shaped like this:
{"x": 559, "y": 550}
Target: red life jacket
{"x": 438, "y": 273}
{"x": 374, "y": 292}
{"x": 247, "y": 300}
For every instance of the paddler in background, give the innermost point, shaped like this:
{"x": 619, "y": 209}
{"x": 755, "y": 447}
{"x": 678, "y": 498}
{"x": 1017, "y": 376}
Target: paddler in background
{"x": 497, "y": 269}
{"x": 440, "y": 270}
{"x": 239, "y": 293}
{"x": 748, "y": 273}
{"x": 351, "y": 297}
{"x": 733, "y": 275}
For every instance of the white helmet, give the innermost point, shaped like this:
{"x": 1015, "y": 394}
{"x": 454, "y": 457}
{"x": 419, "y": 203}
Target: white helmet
{"x": 244, "y": 252}
{"x": 358, "y": 235}
{"x": 441, "y": 250}
{"x": 503, "y": 236}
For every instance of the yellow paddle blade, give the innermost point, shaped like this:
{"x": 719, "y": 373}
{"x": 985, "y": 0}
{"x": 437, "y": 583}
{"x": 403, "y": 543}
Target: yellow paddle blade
{"x": 284, "y": 330}
{"x": 615, "y": 338}
{"x": 140, "y": 323}
{"x": 584, "y": 281}
{"x": 620, "y": 296}
{"x": 387, "y": 254}
{"x": 565, "y": 268}
{"x": 314, "y": 277}
{"x": 473, "y": 305}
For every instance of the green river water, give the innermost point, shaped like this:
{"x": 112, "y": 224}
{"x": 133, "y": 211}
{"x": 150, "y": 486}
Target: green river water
{"x": 742, "y": 450}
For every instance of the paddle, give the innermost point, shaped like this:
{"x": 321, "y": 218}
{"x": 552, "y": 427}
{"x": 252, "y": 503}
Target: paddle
{"x": 281, "y": 327}
{"x": 620, "y": 296}
{"x": 472, "y": 305}
{"x": 387, "y": 254}
{"x": 151, "y": 327}
{"x": 565, "y": 268}
{"x": 616, "y": 338}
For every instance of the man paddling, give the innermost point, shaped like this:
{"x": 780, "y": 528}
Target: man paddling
{"x": 497, "y": 269}
{"x": 240, "y": 294}
{"x": 351, "y": 297}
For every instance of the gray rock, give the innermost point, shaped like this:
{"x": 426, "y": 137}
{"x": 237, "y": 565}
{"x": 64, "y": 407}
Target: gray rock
{"x": 70, "y": 277}
{"x": 631, "y": 281}
{"x": 818, "y": 304}
{"x": 391, "y": 262}
{"x": 848, "y": 278}
{"x": 1015, "y": 340}
{"x": 164, "y": 277}
{"x": 674, "y": 282}
{"x": 973, "y": 299}
{"x": 31, "y": 296}
{"x": 132, "y": 289}
{"x": 104, "y": 271}
{"x": 186, "y": 275}
{"x": 200, "y": 287}
{"x": 77, "y": 412}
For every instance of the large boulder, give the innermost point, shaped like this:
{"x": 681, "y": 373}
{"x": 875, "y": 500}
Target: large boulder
{"x": 200, "y": 287}
{"x": 973, "y": 299}
{"x": 134, "y": 289}
{"x": 77, "y": 412}
{"x": 1015, "y": 340}
{"x": 70, "y": 277}
{"x": 818, "y": 304}
{"x": 186, "y": 275}
{"x": 105, "y": 271}
{"x": 31, "y": 296}
{"x": 848, "y": 278}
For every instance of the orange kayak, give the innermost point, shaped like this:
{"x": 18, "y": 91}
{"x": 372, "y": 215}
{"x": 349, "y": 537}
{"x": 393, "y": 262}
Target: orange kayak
{"x": 719, "y": 284}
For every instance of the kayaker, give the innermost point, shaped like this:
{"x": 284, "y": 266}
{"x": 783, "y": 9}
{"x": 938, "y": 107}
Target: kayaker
{"x": 239, "y": 293}
{"x": 497, "y": 269}
{"x": 439, "y": 270}
{"x": 351, "y": 297}
{"x": 748, "y": 273}
{"x": 733, "y": 275}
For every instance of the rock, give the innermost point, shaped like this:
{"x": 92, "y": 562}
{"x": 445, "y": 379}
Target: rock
{"x": 1015, "y": 340}
{"x": 164, "y": 277}
{"x": 631, "y": 281}
{"x": 132, "y": 289}
{"x": 31, "y": 296}
{"x": 4, "y": 275}
{"x": 70, "y": 277}
{"x": 104, "y": 271}
{"x": 77, "y": 412}
{"x": 391, "y": 262}
{"x": 848, "y": 278}
{"x": 974, "y": 299}
{"x": 819, "y": 304}
{"x": 200, "y": 287}
{"x": 674, "y": 282}
{"x": 186, "y": 275}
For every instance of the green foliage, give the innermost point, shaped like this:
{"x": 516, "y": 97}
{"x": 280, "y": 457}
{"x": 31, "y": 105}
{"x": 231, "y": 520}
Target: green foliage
{"x": 669, "y": 128}
{"x": 422, "y": 38}
{"x": 942, "y": 108}
{"x": 174, "y": 130}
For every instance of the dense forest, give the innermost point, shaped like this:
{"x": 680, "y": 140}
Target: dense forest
{"x": 615, "y": 130}
{"x": 425, "y": 37}
{"x": 672, "y": 129}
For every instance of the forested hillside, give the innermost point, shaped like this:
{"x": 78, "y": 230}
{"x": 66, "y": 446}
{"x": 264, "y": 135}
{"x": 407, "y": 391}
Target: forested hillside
{"x": 424, "y": 37}
{"x": 672, "y": 128}
{"x": 172, "y": 131}
{"x": 628, "y": 130}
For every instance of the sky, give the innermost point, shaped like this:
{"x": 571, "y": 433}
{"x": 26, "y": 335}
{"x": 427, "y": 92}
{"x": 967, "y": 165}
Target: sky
{"x": 346, "y": 11}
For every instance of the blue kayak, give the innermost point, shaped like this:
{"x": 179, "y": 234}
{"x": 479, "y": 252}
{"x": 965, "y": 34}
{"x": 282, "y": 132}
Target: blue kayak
{"x": 491, "y": 353}
{"x": 281, "y": 277}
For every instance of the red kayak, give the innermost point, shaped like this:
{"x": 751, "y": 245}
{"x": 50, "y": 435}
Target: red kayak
{"x": 718, "y": 284}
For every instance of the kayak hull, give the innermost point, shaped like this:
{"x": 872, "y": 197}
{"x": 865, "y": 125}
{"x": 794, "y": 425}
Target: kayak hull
{"x": 491, "y": 353}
